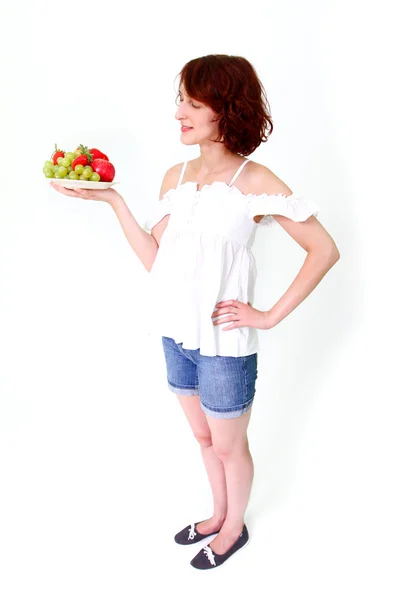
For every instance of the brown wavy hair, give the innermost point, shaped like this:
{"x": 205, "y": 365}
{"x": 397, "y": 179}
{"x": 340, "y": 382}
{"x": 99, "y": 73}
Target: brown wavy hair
{"x": 230, "y": 86}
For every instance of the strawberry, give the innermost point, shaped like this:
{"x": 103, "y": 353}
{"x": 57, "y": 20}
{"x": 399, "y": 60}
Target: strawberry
{"x": 84, "y": 156}
{"x": 104, "y": 168}
{"x": 82, "y": 159}
{"x": 84, "y": 150}
{"x": 56, "y": 154}
{"x": 98, "y": 154}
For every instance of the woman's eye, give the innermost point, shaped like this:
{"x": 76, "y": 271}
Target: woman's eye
{"x": 194, "y": 106}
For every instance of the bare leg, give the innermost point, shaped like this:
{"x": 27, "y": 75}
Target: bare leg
{"x": 213, "y": 464}
{"x": 231, "y": 446}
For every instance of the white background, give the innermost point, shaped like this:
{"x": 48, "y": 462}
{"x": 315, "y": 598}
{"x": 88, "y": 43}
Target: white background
{"x": 98, "y": 467}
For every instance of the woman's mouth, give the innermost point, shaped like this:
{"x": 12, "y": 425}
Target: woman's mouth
{"x": 184, "y": 129}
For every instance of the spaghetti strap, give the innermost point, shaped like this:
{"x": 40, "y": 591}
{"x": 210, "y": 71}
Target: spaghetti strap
{"x": 182, "y": 173}
{"x": 236, "y": 175}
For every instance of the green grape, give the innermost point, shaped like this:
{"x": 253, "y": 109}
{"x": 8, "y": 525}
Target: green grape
{"x": 49, "y": 164}
{"x": 79, "y": 169}
{"x": 95, "y": 177}
{"x": 89, "y": 168}
{"x": 62, "y": 171}
{"x": 55, "y": 168}
{"x": 87, "y": 172}
{"x": 57, "y": 176}
{"x": 66, "y": 162}
{"x": 70, "y": 155}
{"x": 69, "y": 169}
{"x": 73, "y": 175}
{"x": 48, "y": 172}
{"x": 59, "y": 161}
{"x": 82, "y": 178}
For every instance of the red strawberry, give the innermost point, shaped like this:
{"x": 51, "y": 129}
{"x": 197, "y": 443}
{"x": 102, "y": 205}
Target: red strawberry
{"x": 82, "y": 159}
{"x": 104, "y": 168}
{"x": 57, "y": 154}
{"x": 84, "y": 150}
{"x": 97, "y": 154}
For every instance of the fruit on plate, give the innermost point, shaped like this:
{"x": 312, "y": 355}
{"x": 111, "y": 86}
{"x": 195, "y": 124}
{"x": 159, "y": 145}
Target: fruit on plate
{"x": 82, "y": 159}
{"x": 97, "y": 154}
{"x": 104, "y": 168}
{"x": 57, "y": 154}
{"x": 84, "y": 163}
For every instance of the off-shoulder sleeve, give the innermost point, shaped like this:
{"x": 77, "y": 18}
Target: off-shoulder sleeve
{"x": 294, "y": 207}
{"x": 158, "y": 211}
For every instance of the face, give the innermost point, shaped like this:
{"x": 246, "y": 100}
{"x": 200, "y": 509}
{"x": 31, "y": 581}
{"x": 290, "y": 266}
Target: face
{"x": 201, "y": 120}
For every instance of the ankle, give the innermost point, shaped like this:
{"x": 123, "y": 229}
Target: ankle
{"x": 233, "y": 527}
{"x": 218, "y": 518}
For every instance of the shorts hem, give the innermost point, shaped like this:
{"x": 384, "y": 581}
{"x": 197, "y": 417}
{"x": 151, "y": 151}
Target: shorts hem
{"x": 184, "y": 391}
{"x": 226, "y": 414}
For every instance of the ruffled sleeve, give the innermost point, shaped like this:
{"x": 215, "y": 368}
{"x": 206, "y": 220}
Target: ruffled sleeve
{"x": 294, "y": 207}
{"x": 159, "y": 210}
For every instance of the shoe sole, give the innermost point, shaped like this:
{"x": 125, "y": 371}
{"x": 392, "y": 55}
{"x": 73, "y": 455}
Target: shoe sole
{"x": 219, "y": 566}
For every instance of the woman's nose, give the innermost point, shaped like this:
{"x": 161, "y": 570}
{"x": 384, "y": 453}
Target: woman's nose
{"x": 179, "y": 113}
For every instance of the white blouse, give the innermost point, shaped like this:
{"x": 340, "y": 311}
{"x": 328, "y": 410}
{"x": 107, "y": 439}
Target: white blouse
{"x": 205, "y": 257}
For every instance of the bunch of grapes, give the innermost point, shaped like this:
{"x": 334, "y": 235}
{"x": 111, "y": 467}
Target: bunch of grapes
{"x": 64, "y": 165}
{"x": 63, "y": 170}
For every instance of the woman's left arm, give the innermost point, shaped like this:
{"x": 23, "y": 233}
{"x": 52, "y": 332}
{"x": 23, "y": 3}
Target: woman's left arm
{"x": 273, "y": 197}
{"x": 322, "y": 254}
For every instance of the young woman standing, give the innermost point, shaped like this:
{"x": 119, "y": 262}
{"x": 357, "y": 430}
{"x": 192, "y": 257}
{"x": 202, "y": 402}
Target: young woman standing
{"x": 197, "y": 248}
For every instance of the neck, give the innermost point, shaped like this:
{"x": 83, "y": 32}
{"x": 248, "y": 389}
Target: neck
{"x": 215, "y": 158}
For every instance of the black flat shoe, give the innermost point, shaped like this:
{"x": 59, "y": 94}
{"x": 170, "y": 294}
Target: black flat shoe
{"x": 208, "y": 559}
{"x": 190, "y": 535}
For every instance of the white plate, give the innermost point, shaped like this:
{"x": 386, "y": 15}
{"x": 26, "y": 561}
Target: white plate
{"x": 81, "y": 184}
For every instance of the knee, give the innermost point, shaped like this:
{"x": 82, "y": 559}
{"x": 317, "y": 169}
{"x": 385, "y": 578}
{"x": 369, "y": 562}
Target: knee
{"x": 228, "y": 450}
{"x": 203, "y": 438}
{"x": 223, "y": 451}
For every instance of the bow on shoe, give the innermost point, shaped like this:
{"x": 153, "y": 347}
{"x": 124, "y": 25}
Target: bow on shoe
{"x": 192, "y": 532}
{"x": 209, "y": 553}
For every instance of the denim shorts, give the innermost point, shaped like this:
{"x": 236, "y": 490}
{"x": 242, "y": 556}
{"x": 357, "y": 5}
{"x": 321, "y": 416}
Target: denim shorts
{"x": 225, "y": 384}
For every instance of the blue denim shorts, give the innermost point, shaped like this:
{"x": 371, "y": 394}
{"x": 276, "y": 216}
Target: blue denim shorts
{"x": 225, "y": 384}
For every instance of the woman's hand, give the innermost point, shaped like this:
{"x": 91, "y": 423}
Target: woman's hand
{"x": 103, "y": 195}
{"x": 244, "y": 315}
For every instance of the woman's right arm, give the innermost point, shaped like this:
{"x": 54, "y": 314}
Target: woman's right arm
{"x": 144, "y": 244}
{"x": 141, "y": 242}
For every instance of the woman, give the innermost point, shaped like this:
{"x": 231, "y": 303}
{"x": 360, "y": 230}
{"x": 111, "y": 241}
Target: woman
{"x": 197, "y": 248}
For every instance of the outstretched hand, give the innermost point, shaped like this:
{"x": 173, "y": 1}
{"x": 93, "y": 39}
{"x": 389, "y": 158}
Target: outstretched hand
{"x": 101, "y": 195}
